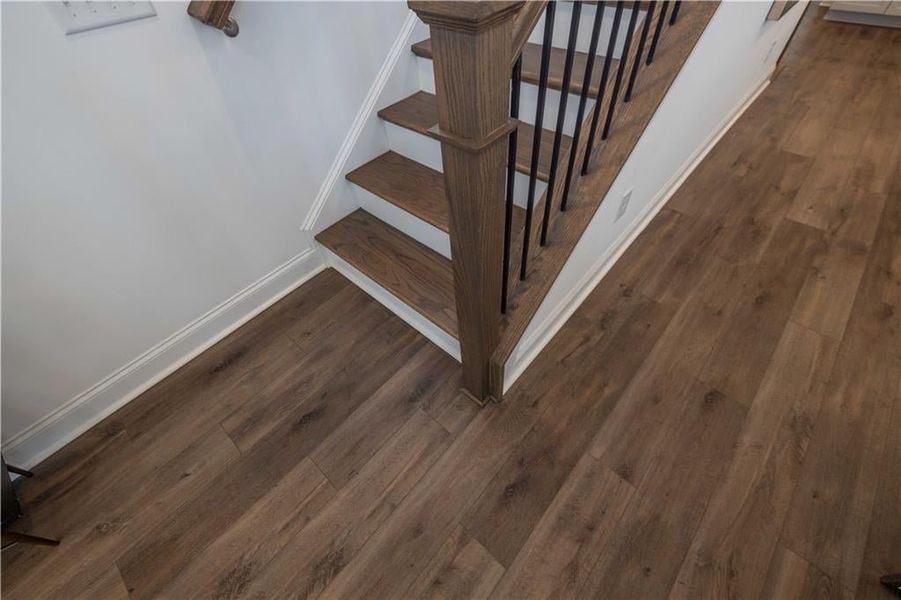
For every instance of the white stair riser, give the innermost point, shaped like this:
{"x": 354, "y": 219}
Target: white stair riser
{"x": 562, "y": 20}
{"x": 427, "y": 151}
{"x": 424, "y": 233}
{"x": 528, "y": 99}
{"x": 400, "y": 308}
{"x": 528, "y": 107}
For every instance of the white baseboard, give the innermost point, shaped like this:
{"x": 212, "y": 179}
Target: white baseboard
{"x": 858, "y": 18}
{"x": 530, "y": 347}
{"x": 432, "y": 332}
{"x": 76, "y": 416}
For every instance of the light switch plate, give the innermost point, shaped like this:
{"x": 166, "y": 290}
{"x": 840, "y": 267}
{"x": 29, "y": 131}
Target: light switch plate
{"x": 84, "y": 15}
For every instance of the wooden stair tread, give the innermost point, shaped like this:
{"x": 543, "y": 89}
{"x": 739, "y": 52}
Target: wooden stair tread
{"x": 531, "y": 66}
{"x": 419, "y": 113}
{"x": 419, "y": 276}
{"x": 412, "y": 187}
{"x": 406, "y": 184}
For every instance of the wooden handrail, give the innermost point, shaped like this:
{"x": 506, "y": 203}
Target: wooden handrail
{"x": 526, "y": 19}
{"x": 215, "y": 13}
{"x": 472, "y": 48}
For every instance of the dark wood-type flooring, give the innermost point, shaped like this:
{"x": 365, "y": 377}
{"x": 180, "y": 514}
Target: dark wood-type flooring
{"x": 720, "y": 418}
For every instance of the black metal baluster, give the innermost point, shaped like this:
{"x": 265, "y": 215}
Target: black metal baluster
{"x": 657, "y": 31}
{"x": 605, "y": 74}
{"x": 511, "y": 177}
{"x": 561, "y": 116}
{"x": 617, "y": 83}
{"x": 583, "y": 99}
{"x": 676, "y": 6}
{"x": 646, "y": 27}
{"x": 536, "y": 133}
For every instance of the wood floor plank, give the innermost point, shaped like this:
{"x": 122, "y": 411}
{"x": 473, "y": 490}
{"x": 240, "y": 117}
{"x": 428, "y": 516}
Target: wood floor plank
{"x": 322, "y": 550}
{"x": 170, "y": 417}
{"x": 517, "y": 497}
{"x": 827, "y": 297}
{"x": 390, "y": 563}
{"x": 746, "y": 346}
{"x": 859, "y": 215}
{"x": 812, "y": 132}
{"x": 832, "y": 506}
{"x": 462, "y": 568}
{"x": 686, "y": 472}
{"x": 884, "y": 538}
{"x": 876, "y": 164}
{"x": 768, "y": 195}
{"x": 627, "y": 441}
{"x": 108, "y": 587}
{"x": 456, "y": 413}
{"x": 148, "y": 566}
{"x": 62, "y": 471}
{"x": 564, "y": 545}
{"x": 731, "y": 551}
{"x": 243, "y": 360}
{"x": 791, "y": 576}
{"x": 253, "y": 419}
{"x": 819, "y": 201}
{"x": 355, "y": 441}
{"x": 228, "y": 565}
{"x": 84, "y": 557}
{"x": 674, "y": 277}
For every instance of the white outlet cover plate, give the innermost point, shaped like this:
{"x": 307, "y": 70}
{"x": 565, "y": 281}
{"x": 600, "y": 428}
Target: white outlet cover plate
{"x": 84, "y": 15}
{"x": 623, "y": 205}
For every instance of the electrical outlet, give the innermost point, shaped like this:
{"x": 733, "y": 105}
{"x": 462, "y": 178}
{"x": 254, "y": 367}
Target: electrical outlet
{"x": 84, "y": 15}
{"x": 623, "y": 206}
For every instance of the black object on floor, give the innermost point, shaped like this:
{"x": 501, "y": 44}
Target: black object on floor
{"x": 892, "y": 582}
{"x": 12, "y": 511}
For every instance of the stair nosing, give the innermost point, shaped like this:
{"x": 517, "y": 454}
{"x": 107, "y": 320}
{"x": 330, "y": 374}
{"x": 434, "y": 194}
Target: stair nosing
{"x": 523, "y": 164}
{"x": 423, "y": 49}
{"x": 430, "y": 256}
{"x": 440, "y": 224}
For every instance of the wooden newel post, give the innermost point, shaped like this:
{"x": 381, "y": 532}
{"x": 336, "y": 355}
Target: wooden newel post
{"x": 472, "y": 54}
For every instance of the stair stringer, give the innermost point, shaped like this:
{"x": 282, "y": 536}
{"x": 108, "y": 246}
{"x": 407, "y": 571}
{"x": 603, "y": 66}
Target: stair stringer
{"x": 535, "y": 314}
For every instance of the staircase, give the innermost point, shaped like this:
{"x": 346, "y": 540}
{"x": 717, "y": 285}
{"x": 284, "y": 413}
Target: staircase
{"x": 470, "y": 216}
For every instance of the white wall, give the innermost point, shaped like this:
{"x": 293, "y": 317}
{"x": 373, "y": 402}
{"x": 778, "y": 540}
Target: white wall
{"x": 732, "y": 60}
{"x": 153, "y": 171}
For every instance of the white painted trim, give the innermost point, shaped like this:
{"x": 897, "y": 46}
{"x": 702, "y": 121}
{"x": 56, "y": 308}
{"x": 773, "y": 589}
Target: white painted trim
{"x": 529, "y": 348}
{"x": 79, "y": 414}
{"x": 432, "y": 332}
{"x": 860, "y": 18}
{"x": 366, "y": 110}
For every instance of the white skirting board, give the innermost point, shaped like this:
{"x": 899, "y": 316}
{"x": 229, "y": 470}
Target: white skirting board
{"x": 530, "y": 347}
{"x": 57, "y": 429}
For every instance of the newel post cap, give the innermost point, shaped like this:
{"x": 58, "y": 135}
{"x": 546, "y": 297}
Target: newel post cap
{"x": 464, "y": 15}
